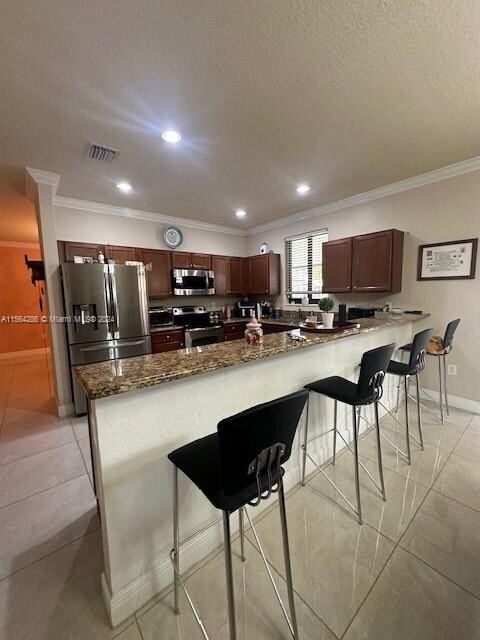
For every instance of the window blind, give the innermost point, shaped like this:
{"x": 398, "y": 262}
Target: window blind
{"x": 304, "y": 265}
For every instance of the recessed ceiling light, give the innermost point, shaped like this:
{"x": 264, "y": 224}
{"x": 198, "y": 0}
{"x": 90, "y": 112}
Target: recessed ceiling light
{"x": 240, "y": 213}
{"x": 303, "y": 188}
{"x": 124, "y": 187}
{"x": 171, "y": 136}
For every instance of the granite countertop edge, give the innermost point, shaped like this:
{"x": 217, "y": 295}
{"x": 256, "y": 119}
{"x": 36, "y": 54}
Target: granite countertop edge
{"x": 105, "y": 379}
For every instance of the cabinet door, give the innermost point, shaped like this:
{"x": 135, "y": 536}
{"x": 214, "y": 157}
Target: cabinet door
{"x": 201, "y": 261}
{"x": 83, "y": 249}
{"x": 121, "y": 254}
{"x": 237, "y": 279}
{"x": 181, "y": 260}
{"x": 258, "y": 275}
{"x": 372, "y": 262}
{"x": 163, "y": 341}
{"x": 337, "y": 266}
{"x": 221, "y": 271}
{"x": 158, "y": 269}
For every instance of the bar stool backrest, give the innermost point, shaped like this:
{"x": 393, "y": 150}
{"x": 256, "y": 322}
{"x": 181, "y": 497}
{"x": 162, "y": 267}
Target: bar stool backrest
{"x": 449, "y": 332}
{"x": 372, "y": 370}
{"x": 418, "y": 352}
{"x": 244, "y": 437}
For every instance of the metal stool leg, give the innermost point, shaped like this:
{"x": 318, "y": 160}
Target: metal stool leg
{"x": 447, "y": 408}
{"x": 335, "y": 410}
{"x": 288, "y": 565}
{"x": 355, "y": 451}
{"x": 305, "y": 436}
{"x": 398, "y": 389}
{"x": 419, "y": 412}
{"x": 176, "y": 540}
{"x": 242, "y": 534}
{"x": 440, "y": 386}
{"x": 407, "y": 422}
{"x": 379, "y": 452}
{"x": 229, "y": 576}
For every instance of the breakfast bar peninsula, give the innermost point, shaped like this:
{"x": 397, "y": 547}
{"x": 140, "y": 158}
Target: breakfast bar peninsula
{"x": 142, "y": 408}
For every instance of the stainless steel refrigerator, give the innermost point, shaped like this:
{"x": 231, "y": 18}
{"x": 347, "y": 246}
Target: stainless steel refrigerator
{"x": 106, "y": 307}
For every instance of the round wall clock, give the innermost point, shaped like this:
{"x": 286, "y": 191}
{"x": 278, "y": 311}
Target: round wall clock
{"x": 173, "y": 237}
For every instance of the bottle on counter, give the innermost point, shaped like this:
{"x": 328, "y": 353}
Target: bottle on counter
{"x": 254, "y": 332}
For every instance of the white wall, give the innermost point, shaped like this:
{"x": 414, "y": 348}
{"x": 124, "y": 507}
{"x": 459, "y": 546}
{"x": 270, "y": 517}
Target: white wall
{"x": 85, "y": 226}
{"x": 442, "y": 211}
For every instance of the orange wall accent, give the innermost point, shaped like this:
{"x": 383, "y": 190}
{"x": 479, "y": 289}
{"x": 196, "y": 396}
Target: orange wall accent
{"x": 19, "y": 297}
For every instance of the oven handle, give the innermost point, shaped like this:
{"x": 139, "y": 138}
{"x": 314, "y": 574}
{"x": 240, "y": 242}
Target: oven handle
{"x": 216, "y": 326}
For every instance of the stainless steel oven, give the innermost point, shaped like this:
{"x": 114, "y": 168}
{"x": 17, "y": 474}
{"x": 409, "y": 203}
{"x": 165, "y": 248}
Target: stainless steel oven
{"x": 193, "y": 282}
{"x": 199, "y": 336}
{"x": 160, "y": 317}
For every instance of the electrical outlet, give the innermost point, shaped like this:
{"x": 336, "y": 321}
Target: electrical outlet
{"x": 452, "y": 369}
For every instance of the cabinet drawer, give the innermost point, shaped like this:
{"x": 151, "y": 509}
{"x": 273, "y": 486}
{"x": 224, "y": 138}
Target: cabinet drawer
{"x": 164, "y": 337}
{"x": 162, "y": 347}
{"x": 235, "y": 327}
{"x": 234, "y": 336}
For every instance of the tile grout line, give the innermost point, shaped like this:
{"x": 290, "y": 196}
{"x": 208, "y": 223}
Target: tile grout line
{"x": 397, "y": 544}
{"x": 47, "y": 555}
{"x": 31, "y": 455}
{"x": 37, "y": 493}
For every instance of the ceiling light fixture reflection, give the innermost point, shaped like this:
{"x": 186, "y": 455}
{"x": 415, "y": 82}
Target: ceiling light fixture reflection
{"x": 124, "y": 187}
{"x": 240, "y": 213}
{"x": 171, "y": 136}
{"x": 303, "y": 188}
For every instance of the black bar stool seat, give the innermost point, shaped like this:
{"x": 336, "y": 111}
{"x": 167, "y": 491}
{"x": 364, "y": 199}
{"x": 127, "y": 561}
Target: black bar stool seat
{"x": 447, "y": 344}
{"x": 368, "y": 390}
{"x": 401, "y": 368}
{"x": 201, "y": 462}
{"x": 343, "y": 390}
{"x": 240, "y": 465}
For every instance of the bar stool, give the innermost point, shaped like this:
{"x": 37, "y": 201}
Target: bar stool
{"x": 447, "y": 346}
{"x": 407, "y": 370}
{"x": 240, "y": 465}
{"x": 368, "y": 390}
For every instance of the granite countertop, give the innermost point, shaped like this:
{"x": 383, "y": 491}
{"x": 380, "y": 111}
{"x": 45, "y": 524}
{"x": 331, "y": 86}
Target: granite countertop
{"x": 110, "y": 378}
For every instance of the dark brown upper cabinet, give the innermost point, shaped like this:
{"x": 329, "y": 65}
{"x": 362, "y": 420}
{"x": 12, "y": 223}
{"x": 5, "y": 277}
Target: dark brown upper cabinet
{"x": 221, "y": 269}
{"x": 121, "y": 254}
{"x": 337, "y": 266}
{"x": 237, "y": 275}
{"x": 377, "y": 260}
{"x": 158, "y": 269}
{"x": 362, "y": 264}
{"x": 263, "y": 274}
{"x": 185, "y": 260}
{"x": 67, "y": 250}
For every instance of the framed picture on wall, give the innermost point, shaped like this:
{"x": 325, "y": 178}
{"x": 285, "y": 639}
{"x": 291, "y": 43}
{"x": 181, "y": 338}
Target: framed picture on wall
{"x": 455, "y": 260}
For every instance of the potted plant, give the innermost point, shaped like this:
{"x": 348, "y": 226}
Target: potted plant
{"x": 326, "y": 305}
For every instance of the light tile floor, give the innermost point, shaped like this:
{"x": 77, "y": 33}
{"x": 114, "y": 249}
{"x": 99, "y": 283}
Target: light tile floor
{"x": 411, "y": 571}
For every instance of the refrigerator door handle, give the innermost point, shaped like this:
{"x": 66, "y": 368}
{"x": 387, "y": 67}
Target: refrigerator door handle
{"x": 135, "y": 343}
{"x": 108, "y": 298}
{"x": 113, "y": 289}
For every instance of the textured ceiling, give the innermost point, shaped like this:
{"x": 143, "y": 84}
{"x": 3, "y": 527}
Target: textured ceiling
{"x": 345, "y": 95}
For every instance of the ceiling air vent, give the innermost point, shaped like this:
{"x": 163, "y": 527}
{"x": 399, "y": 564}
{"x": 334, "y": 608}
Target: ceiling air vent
{"x": 101, "y": 153}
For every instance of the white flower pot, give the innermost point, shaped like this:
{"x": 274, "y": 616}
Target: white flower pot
{"x": 327, "y": 319}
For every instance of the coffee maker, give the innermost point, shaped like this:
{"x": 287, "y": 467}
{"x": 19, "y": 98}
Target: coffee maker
{"x": 244, "y": 308}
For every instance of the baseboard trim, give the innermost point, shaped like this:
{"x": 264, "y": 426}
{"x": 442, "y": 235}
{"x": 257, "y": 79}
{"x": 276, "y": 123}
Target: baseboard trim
{"x": 456, "y": 401}
{"x": 65, "y": 410}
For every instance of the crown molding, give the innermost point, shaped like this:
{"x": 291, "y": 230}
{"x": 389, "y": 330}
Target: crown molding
{"x": 44, "y": 177}
{"x": 450, "y": 171}
{"x": 125, "y": 212}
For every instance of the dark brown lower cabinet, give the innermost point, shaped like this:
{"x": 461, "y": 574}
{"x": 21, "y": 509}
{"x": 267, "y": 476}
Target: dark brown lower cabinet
{"x": 167, "y": 341}
{"x": 234, "y": 330}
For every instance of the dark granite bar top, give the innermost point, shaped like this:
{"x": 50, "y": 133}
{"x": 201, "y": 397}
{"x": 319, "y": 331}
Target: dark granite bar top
{"x": 119, "y": 376}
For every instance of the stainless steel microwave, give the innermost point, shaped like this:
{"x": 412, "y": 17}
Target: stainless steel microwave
{"x": 192, "y": 282}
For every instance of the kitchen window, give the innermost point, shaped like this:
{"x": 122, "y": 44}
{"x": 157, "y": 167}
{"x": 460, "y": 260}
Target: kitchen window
{"x": 304, "y": 266}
